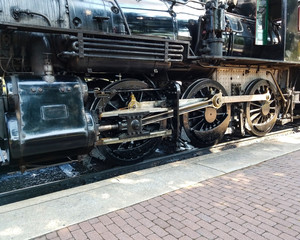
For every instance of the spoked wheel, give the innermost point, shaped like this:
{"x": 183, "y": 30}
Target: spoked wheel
{"x": 206, "y": 126}
{"x": 261, "y": 116}
{"x": 132, "y": 151}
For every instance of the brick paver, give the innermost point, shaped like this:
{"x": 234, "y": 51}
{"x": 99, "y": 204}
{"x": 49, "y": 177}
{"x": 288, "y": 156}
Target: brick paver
{"x": 259, "y": 202}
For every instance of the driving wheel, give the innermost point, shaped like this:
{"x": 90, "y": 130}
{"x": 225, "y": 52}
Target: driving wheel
{"x": 206, "y": 126}
{"x": 128, "y": 152}
{"x": 261, "y": 116}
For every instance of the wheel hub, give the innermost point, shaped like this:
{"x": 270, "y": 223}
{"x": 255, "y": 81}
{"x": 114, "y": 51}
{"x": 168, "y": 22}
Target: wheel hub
{"x": 265, "y": 109}
{"x": 210, "y": 115}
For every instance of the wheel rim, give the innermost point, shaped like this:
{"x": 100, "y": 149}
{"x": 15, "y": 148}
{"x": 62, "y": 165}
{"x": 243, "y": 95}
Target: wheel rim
{"x": 261, "y": 116}
{"x": 206, "y": 126}
{"x": 133, "y": 151}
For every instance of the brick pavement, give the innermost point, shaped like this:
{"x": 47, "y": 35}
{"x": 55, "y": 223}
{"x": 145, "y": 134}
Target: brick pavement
{"x": 259, "y": 202}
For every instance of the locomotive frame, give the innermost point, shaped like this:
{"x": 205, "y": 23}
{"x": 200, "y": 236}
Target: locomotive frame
{"x": 115, "y": 95}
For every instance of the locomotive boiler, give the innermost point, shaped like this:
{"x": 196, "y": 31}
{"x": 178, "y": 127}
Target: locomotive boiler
{"x": 111, "y": 79}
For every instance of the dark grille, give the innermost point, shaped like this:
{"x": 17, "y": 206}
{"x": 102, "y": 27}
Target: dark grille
{"x": 132, "y": 48}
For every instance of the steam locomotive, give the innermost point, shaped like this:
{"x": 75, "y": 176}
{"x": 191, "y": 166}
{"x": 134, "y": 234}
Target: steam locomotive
{"x": 111, "y": 79}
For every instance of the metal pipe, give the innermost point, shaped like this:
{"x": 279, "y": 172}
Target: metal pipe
{"x": 108, "y": 127}
{"x": 17, "y": 12}
{"x": 277, "y": 86}
{"x": 124, "y": 17}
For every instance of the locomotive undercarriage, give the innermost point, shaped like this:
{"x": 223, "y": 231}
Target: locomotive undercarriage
{"x": 108, "y": 87}
{"x": 130, "y": 117}
{"x": 203, "y": 112}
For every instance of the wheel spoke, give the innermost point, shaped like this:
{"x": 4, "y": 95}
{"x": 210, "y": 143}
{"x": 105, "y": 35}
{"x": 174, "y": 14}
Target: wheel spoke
{"x": 201, "y": 93}
{"x": 255, "y": 121}
{"x": 202, "y": 127}
{"x": 121, "y": 97}
{"x": 272, "y": 101}
{"x": 196, "y": 117}
{"x": 255, "y": 104}
{"x": 254, "y": 116}
{"x": 255, "y": 110}
{"x": 141, "y": 97}
{"x": 221, "y": 114}
{"x": 271, "y": 115}
{"x": 197, "y": 124}
{"x": 113, "y": 106}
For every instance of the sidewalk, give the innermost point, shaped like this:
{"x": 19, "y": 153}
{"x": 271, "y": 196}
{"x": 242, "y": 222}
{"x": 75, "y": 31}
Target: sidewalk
{"x": 249, "y": 192}
{"x": 258, "y": 202}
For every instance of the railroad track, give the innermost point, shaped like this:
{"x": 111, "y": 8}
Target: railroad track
{"x": 75, "y": 179}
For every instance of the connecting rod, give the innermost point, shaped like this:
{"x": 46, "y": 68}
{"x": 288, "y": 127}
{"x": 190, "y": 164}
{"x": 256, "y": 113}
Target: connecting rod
{"x": 185, "y": 106}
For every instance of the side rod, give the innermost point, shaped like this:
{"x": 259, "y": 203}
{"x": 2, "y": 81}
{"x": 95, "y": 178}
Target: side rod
{"x": 217, "y": 101}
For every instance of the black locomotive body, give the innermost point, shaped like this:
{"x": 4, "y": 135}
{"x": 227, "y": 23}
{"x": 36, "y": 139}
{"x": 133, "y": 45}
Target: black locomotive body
{"x": 111, "y": 79}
